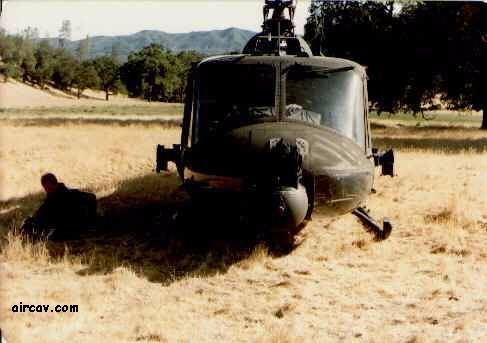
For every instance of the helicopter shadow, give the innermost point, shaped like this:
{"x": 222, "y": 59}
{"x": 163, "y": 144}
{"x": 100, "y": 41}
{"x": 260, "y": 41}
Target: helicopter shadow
{"x": 149, "y": 225}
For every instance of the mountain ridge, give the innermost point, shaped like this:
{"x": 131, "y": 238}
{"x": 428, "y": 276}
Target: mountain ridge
{"x": 208, "y": 42}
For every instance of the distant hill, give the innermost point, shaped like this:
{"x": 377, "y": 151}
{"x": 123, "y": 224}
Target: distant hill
{"x": 206, "y": 42}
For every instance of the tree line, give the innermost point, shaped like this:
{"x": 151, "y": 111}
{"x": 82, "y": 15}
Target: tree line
{"x": 414, "y": 52}
{"x": 153, "y": 73}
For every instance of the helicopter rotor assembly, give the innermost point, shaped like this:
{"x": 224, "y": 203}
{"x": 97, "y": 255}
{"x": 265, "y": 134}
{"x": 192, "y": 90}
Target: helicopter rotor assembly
{"x": 278, "y": 36}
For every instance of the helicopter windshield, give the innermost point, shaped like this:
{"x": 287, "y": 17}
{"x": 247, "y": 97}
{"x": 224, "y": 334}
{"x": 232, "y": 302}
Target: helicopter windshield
{"x": 233, "y": 95}
{"x": 330, "y": 98}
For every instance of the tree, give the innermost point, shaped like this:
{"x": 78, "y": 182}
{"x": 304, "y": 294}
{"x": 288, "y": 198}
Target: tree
{"x": 108, "y": 73}
{"x": 185, "y": 60}
{"x": 30, "y": 33}
{"x": 144, "y": 71}
{"x": 64, "y": 33}
{"x": 115, "y": 55}
{"x": 86, "y": 76}
{"x": 83, "y": 50}
{"x": 43, "y": 64}
{"x": 24, "y": 53}
{"x": 9, "y": 65}
{"x": 10, "y": 71}
{"x": 464, "y": 63}
{"x": 410, "y": 57}
{"x": 156, "y": 74}
{"x": 27, "y": 63}
{"x": 64, "y": 69}
{"x": 7, "y": 46}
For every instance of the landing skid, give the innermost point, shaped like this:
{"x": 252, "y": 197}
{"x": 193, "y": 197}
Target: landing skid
{"x": 371, "y": 225}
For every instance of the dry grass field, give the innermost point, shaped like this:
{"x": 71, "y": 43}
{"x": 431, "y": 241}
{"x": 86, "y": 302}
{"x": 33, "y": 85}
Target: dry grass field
{"x": 426, "y": 283}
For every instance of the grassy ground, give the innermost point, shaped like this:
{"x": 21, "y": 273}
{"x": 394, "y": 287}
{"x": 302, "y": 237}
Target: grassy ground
{"x": 437, "y": 138}
{"x": 430, "y": 118}
{"x": 112, "y": 113}
{"x": 141, "y": 108}
{"x": 448, "y": 132}
{"x": 427, "y": 282}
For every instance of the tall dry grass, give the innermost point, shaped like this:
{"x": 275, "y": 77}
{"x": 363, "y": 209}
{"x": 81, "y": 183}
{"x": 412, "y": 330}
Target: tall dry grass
{"x": 83, "y": 156}
{"x": 438, "y": 139}
{"x": 427, "y": 282}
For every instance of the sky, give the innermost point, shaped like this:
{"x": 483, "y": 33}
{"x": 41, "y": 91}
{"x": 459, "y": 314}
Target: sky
{"x": 103, "y": 17}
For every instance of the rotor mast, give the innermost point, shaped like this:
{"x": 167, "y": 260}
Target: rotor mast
{"x": 278, "y": 18}
{"x": 278, "y": 32}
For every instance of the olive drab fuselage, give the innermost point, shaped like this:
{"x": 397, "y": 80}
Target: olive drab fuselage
{"x": 221, "y": 153}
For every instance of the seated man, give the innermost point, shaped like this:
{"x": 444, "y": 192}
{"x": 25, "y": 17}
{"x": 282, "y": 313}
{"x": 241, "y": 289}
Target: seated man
{"x": 63, "y": 212}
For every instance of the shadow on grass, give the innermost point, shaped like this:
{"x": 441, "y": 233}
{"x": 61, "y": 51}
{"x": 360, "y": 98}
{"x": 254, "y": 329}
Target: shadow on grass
{"x": 137, "y": 229}
{"x": 69, "y": 94}
{"x": 443, "y": 145}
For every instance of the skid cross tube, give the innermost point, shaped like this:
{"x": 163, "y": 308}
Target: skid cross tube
{"x": 371, "y": 224}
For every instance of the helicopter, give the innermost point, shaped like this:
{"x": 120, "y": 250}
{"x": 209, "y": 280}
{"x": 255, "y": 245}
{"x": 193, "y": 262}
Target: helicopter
{"x": 278, "y": 132}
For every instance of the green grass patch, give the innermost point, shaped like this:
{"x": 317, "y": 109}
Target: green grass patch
{"x": 470, "y": 118}
{"x": 437, "y": 145}
{"x": 138, "y": 109}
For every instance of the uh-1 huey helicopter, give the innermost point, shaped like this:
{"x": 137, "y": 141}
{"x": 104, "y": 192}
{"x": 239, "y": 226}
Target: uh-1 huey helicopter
{"x": 282, "y": 131}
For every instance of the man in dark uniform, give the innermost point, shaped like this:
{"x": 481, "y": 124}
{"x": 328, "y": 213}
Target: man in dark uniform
{"x": 64, "y": 211}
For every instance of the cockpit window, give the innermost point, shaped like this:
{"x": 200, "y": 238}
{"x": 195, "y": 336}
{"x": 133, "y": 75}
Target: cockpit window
{"x": 327, "y": 97}
{"x": 232, "y": 95}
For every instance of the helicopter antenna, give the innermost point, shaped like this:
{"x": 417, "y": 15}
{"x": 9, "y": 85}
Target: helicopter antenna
{"x": 278, "y": 32}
